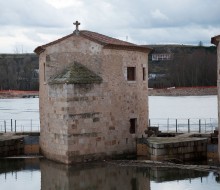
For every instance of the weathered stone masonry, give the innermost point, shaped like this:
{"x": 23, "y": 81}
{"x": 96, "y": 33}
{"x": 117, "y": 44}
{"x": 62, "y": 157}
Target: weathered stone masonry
{"x": 215, "y": 40}
{"x": 93, "y": 97}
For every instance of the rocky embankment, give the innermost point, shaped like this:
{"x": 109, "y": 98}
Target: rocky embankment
{"x": 184, "y": 91}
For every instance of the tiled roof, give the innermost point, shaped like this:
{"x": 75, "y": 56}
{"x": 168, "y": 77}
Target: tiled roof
{"x": 76, "y": 74}
{"x": 106, "y": 41}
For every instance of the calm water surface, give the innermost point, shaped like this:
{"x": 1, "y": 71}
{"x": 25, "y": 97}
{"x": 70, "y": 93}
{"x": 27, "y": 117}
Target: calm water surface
{"x": 183, "y": 107}
{"x": 42, "y": 174}
{"x": 20, "y": 112}
{"x": 19, "y": 108}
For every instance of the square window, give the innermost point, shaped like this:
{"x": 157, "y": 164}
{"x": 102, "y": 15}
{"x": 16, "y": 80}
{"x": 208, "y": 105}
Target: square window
{"x": 131, "y": 74}
{"x": 133, "y": 123}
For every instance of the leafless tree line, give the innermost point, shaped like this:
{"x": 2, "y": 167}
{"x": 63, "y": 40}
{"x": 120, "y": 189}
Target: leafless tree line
{"x": 18, "y": 72}
{"x": 197, "y": 67}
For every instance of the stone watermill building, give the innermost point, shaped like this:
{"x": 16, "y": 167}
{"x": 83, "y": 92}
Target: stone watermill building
{"x": 93, "y": 96}
{"x": 215, "y": 40}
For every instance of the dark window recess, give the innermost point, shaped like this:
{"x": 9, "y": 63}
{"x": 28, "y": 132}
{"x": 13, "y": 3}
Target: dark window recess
{"x": 134, "y": 184}
{"x": 44, "y": 72}
{"x": 144, "y": 74}
{"x": 133, "y": 125}
{"x": 131, "y": 73}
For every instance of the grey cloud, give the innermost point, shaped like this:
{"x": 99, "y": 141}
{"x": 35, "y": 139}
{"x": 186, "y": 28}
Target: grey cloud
{"x": 157, "y": 21}
{"x": 29, "y": 13}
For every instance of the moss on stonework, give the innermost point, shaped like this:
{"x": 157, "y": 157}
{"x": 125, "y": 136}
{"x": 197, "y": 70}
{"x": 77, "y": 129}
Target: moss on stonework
{"x": 76, "y": 74}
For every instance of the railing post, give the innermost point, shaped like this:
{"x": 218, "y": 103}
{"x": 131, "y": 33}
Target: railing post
{"x": 176, "y": 126}
{"x": 31, "y": 125}
{"x": 15, "y": 125}
{"x": 199, "y": 125}
{"x": 188, "y": 125}
{"x": 5, "y": 125}
{"x": 211, "y": 125}
{"x": 11, "y": 126}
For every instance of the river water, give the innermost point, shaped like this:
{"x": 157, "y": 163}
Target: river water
{"x": 184, "y": 113}
{"x": 35, "y": 174}
{"x": 20, "y": 112}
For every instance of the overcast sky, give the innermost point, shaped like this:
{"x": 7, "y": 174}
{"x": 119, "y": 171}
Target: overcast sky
{"x": 26, "y": 24}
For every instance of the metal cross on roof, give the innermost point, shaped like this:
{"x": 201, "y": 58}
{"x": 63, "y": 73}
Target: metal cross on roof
{"x": 77, "y": 25}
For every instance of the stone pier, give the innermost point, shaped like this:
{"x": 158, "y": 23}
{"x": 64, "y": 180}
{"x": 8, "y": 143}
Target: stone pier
{"x": 173, "y": 148}
{"x": 17, "y": 144}
{"x": 11, "y": 145}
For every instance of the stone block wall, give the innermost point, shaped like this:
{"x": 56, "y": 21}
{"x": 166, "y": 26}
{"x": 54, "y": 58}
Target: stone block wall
{"x": 218, "y": 85}
{"x": 183, "y": 150}
{"x": 11, "y": 147}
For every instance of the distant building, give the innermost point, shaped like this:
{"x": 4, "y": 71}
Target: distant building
{"x": 93, "y": 96}
{"x": 215, "y": 40}
{"x": 161, "y": 56}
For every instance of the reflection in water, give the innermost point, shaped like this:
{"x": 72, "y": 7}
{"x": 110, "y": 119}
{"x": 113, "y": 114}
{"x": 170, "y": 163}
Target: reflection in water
{"x": 16, "y": 165}
{"x": 91, "y": 176}
{"x": 172, "y": 174}
{"x": 22, "y": 174}
{"x": 19, "y": 174}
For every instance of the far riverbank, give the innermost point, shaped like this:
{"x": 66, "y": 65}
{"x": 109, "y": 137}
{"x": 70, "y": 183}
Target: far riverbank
{"x": 183, "y": 91}
{"x": 172, "y": 91}
{"x": 18, "y": 94}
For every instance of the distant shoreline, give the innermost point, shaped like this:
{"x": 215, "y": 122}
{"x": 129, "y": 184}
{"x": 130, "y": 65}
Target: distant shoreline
{"x": 172, "y": 91}
{"x": 18, "y": 94}
{"x": 184, "y": 91}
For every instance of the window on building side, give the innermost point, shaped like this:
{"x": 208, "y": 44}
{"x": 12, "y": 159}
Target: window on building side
{"x": 131, "y": 76}
{"x": 133, "y": 123}
{"x": 44, "y": 68}
{"x": 144, "y": 73}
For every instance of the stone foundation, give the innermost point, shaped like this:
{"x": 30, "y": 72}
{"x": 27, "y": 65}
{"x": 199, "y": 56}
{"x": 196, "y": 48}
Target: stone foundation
{"x": 11, "y": 145}
{"x": 172, "y": 148}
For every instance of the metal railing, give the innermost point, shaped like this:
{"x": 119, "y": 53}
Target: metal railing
{"x": 22, "y": 125}
{"x": 179, "y": 125}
